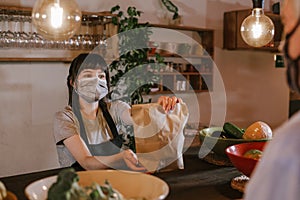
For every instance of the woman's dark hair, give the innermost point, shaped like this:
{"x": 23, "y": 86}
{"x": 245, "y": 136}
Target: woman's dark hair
{"x": 81, "y": 62}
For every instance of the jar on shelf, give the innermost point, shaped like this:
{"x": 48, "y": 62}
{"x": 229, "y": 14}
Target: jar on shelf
{"x": 181, "y": 85}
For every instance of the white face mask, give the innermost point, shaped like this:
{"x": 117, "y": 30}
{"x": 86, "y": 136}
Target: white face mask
{"x": 91, "y": 89}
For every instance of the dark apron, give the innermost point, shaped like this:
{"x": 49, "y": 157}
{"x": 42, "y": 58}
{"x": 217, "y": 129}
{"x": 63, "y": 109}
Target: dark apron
{"x": 107, "y": 148}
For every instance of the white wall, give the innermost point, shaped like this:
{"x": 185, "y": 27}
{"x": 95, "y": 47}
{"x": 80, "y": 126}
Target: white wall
{"x": 30, "y": 93}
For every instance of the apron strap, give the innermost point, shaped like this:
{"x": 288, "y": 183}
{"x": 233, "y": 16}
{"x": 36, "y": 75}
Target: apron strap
{"x": 108, "y": 118}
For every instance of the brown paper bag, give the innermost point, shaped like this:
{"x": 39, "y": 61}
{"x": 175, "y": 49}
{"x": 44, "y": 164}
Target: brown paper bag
{"x": 159, "y": 135}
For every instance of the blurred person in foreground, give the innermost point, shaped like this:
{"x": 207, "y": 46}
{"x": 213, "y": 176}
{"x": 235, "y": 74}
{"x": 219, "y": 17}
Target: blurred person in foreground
{"x": 277, "y": 175}
{"x": 89, "y": 132}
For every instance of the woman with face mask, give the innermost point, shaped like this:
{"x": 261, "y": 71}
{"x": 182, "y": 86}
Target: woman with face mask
{"x": 277, "y": 175}
{"x": 88, "y": 132}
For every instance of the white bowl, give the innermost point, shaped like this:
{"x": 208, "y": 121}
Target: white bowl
{"x": 130, "y": 184}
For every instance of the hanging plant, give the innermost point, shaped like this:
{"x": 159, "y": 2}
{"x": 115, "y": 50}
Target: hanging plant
{"x": 171, "y": 7}
{"x": 132, "y": 59}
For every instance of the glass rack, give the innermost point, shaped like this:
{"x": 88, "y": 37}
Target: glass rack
{"x": 17, "y": 31}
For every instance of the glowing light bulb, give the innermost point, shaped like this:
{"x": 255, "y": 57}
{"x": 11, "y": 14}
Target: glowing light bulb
{"x": 257, "y": 29}
{"x": 56, "y": 19}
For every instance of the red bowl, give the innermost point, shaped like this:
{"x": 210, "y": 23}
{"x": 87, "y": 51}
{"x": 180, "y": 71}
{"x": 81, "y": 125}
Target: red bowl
{"x": 237, "y": 158}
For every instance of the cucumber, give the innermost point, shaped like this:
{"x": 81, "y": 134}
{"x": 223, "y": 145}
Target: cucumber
{"x": 233, "y": 130}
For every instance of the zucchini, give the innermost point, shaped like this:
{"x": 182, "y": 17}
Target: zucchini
{"x": 233, "y": 130}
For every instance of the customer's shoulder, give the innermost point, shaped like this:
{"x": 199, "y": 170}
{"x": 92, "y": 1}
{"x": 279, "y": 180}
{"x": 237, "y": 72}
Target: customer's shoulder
{"x": 290, "y": 127}
{"x": 287, "y": 135}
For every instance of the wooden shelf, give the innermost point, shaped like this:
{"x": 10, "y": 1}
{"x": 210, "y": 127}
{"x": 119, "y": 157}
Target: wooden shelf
{"x": 38, "y": 55}
{"x": 34, "y": 48}
{"x": 178, "y": 92}
{"x": 180, "y": 27}
{"x": 29, "y": 10}
{"x": 185, "y": 79}
{"x": 32, "y": 59}
{"x": 183, "y": 73}
{"x": 179, "y": 56}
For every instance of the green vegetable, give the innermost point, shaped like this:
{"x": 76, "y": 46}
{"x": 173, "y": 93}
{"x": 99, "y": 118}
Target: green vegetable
{"x": 66, "y": 188}
{"x": 233, "y": 131}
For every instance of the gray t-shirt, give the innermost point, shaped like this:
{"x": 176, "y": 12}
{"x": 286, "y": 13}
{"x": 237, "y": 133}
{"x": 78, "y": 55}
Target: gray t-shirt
{"x": 66, "y": 125}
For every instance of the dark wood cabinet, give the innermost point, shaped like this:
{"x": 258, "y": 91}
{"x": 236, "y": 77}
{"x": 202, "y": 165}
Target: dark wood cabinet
{"x": 232, "y": 39}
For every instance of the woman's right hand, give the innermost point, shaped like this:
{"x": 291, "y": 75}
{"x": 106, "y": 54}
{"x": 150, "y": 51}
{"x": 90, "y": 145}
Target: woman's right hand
{"x": 168, "y": 103}
{"x": 132, "y": 161}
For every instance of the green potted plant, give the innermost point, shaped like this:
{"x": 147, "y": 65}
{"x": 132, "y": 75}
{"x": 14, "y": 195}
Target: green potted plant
{"x": 132, "y": 60}
{"x": 129, "y": 79}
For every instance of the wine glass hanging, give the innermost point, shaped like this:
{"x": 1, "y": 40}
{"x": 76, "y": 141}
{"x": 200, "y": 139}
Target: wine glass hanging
{"x": 17, "y": 31}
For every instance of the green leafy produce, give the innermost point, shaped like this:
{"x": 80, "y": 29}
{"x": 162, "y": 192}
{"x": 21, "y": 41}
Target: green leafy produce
{"x": 66, "y": 188}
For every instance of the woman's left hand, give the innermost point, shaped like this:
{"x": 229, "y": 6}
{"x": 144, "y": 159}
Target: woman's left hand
{"x": 168, "y": 103}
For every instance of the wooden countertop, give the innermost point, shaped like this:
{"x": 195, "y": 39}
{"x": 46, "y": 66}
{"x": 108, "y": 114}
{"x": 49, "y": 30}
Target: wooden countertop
{"x": 199, "y": 180}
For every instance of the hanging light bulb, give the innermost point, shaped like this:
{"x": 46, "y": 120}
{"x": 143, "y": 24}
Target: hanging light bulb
{"x": 257, "y": 29}
{"x": 56, "y": 19}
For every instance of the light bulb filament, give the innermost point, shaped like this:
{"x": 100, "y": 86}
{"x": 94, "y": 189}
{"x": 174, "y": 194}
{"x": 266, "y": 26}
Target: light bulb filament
{"x": 56, "y": 15}
{"x": 256, "y": 30}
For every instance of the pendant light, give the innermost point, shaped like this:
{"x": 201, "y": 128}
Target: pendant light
{"x": 56, "y": 19}
{"x": 257, "y": 29}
